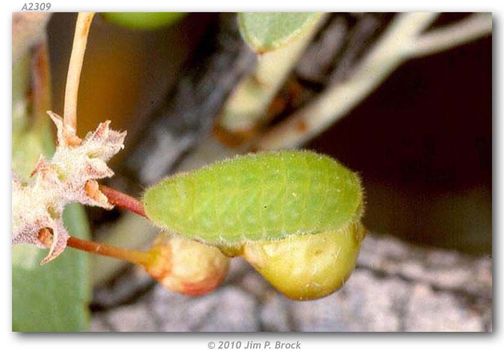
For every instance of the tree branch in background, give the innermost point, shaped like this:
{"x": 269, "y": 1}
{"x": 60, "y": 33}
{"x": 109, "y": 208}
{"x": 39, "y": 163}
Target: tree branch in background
{"x": 447, "y": 37}
{"x": 248, "y": 104}
{"x": 398, "y": 44}
{"x": 189, "y": 111}
{"x": 338, "y": 100}
{"x": 41, "y": 84}
{"x": 368, "y": 28}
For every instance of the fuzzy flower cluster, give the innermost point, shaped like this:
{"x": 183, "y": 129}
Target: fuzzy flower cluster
{"x": 69, "y": 177}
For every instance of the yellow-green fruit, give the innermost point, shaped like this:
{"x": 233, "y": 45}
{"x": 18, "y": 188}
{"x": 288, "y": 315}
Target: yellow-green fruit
{"x": 306, "y": 267}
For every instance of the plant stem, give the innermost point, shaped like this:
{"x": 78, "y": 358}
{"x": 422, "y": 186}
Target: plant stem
{"x": 137, "y": 257}
{"x": 41, "y": 85}
{"x": 402, "y": 41}
{"x": 74, "y": 70}
{"x": 122, "y": 200}
{"x": 336, "y": 101}
{"x": 449, "y": 36}
{"x": 248, "y": 105}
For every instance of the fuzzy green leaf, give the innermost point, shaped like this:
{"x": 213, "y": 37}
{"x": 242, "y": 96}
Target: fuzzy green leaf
{"x": 268, "y": 31}
{"x": 263, "y": 196}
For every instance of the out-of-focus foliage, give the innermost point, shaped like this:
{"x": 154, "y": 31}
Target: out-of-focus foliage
{"x": 268, "y": 31}
{"x": 144, "y": 21}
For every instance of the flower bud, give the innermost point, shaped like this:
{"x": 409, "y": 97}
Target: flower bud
{"x": 306, "y": 267}
{"x": 187, "y": 266}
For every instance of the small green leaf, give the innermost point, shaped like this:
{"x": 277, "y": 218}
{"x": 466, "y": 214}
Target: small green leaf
{"x": 143, "y": 20}
{"x": 268, "y": 31}
{"x": 265, "y": 196}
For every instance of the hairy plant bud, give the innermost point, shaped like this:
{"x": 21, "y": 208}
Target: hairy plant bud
{"x": 187, "y": 266}
{"x": 68, "y": 177}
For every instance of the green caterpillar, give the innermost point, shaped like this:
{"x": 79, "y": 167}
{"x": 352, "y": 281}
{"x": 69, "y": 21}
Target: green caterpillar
{"x": 265, "y": 196}
{"x": 293, "y": 215}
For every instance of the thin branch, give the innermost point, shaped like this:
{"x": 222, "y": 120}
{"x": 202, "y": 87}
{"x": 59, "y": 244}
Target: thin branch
{"x": 137, "y": 257}
{"x": 122, "y": 200}
{"x": 41, "y": 83}
{"x": 248, "y": 105}
{"x": 338, "y": 100}
{"x": 188, "y": 112}
{"x": 129, "y": 231}
{"x": 402, "y": 41}
{"x": 74, "y": 71}
{"x": 444, "y": 38}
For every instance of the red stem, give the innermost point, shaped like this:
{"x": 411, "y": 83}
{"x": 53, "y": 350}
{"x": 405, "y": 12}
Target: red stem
{"x": 141, "y": 258}
{"x": 123, "y": 201}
